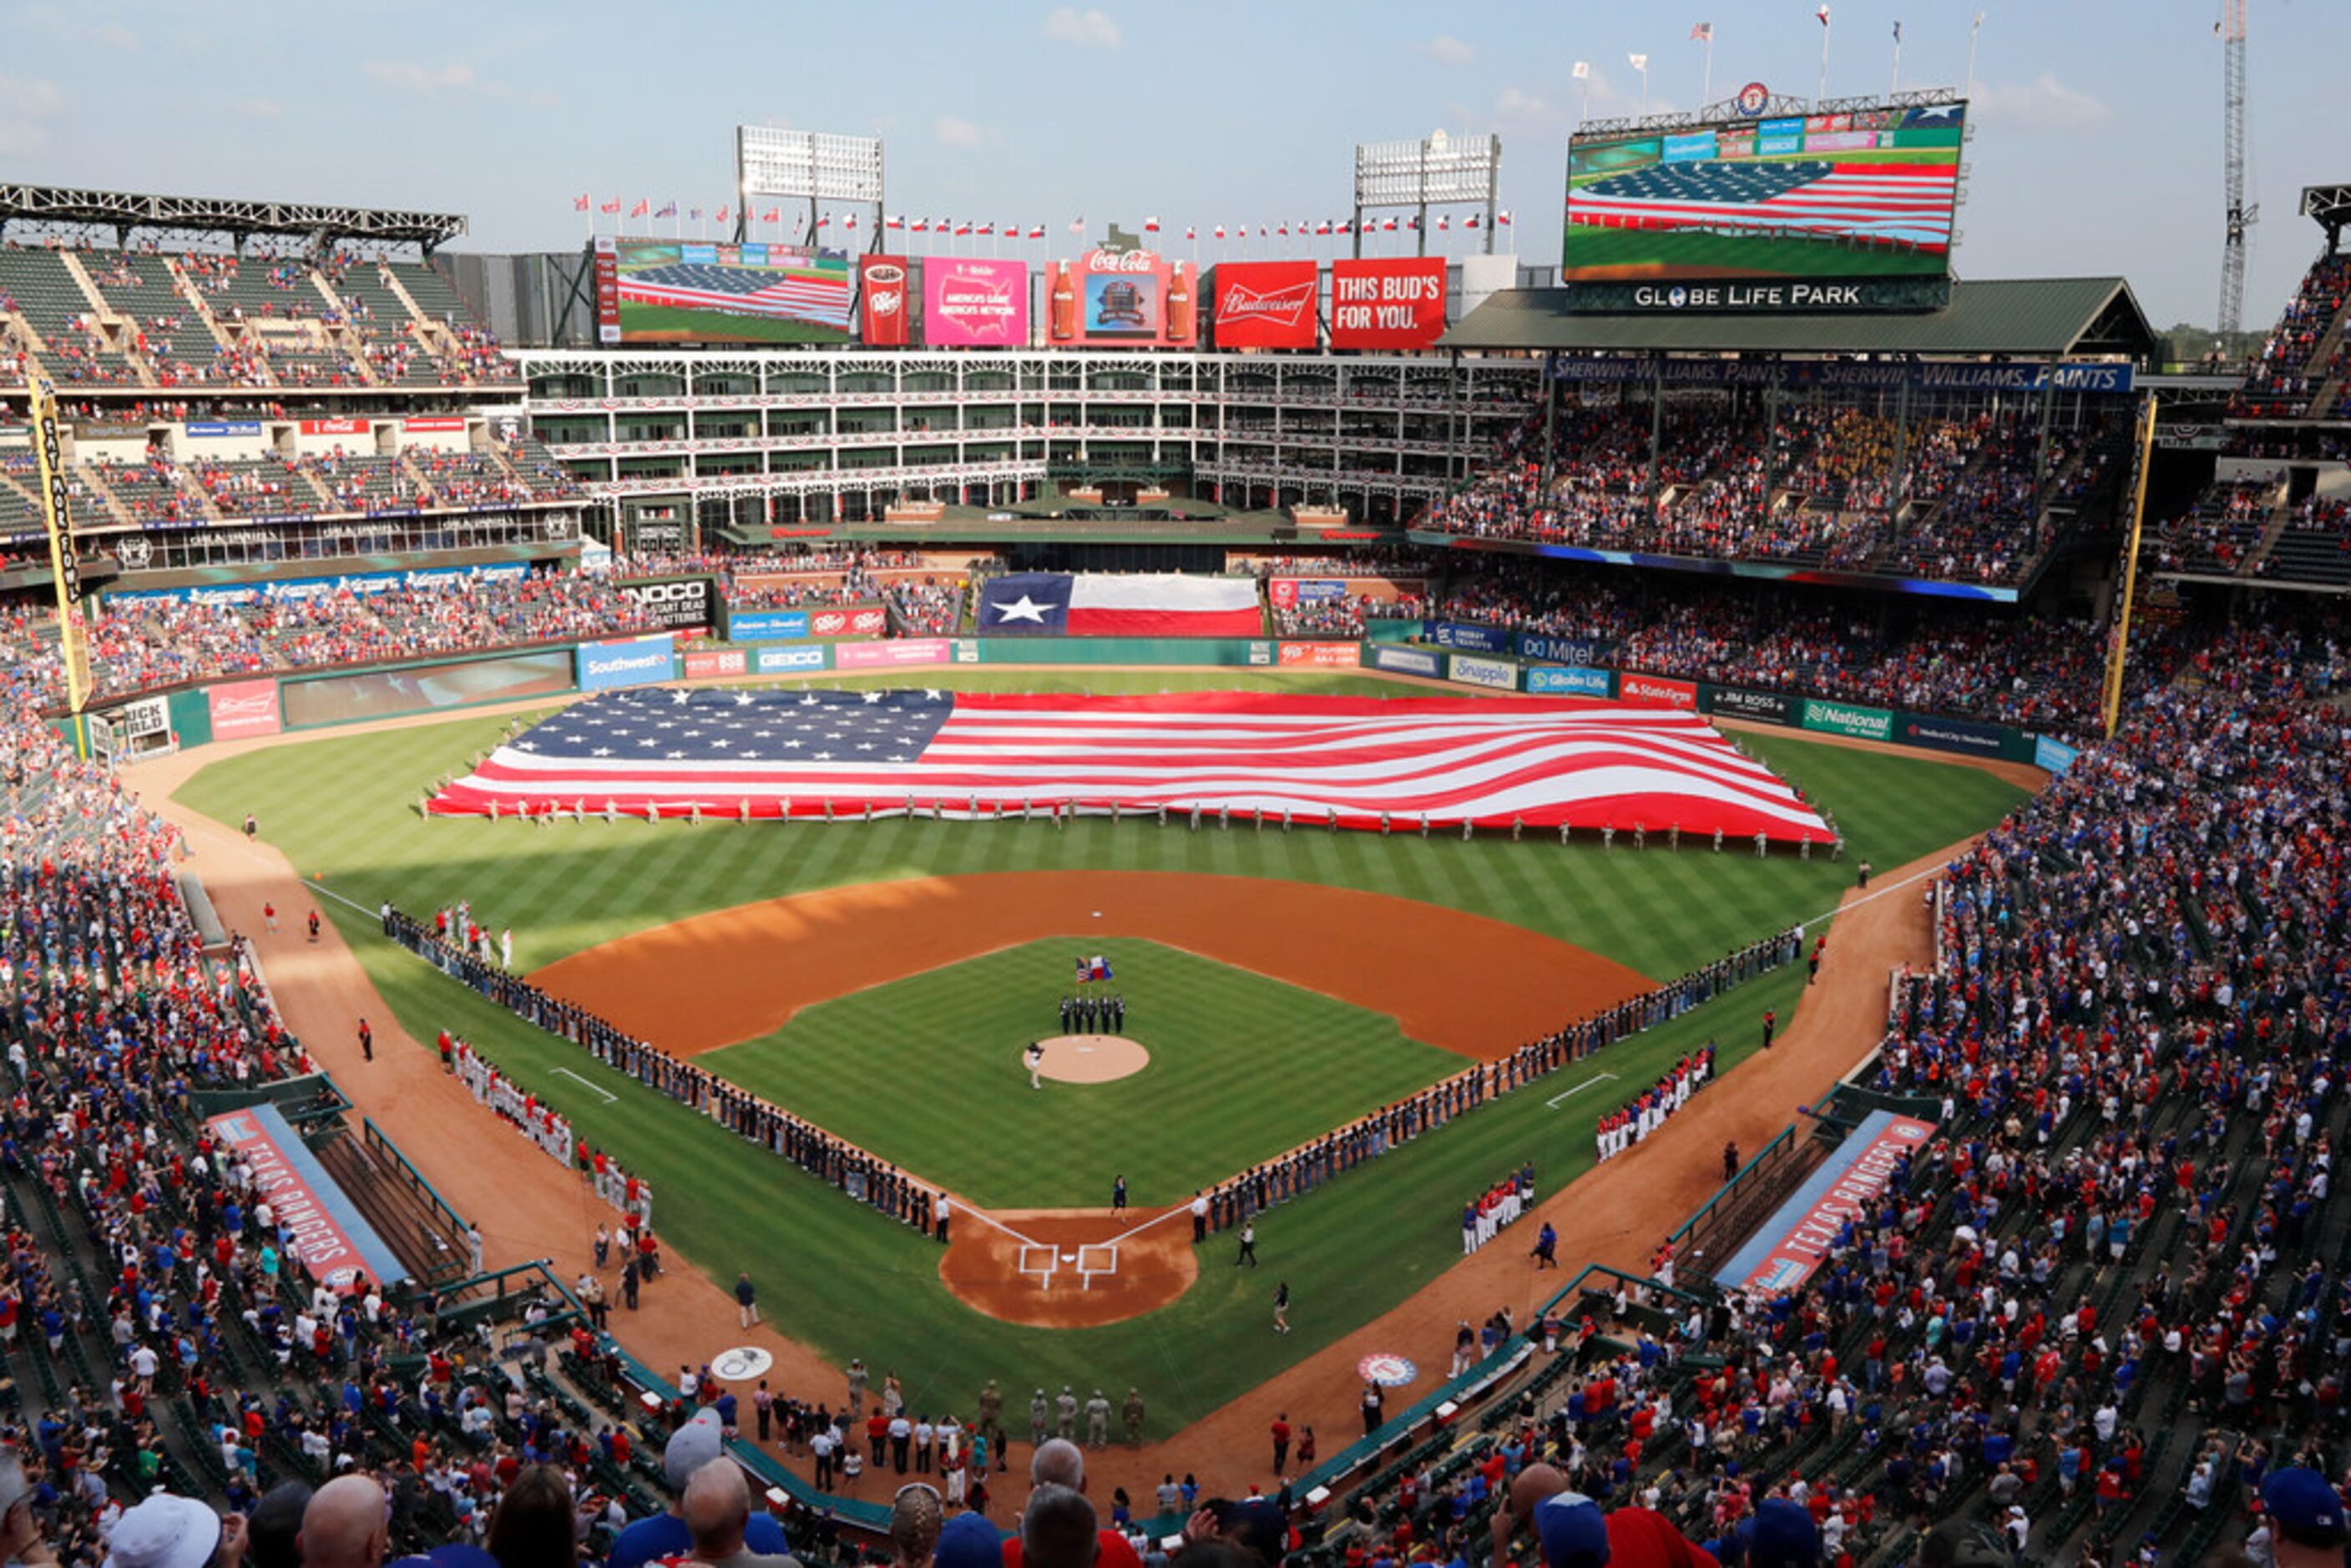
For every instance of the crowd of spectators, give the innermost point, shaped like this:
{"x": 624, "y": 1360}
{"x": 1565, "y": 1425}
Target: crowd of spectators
{"x": 2283, "y": 377}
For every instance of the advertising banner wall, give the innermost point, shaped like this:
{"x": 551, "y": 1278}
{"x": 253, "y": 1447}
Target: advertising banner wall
{"x": 1562, "y": 650}
{"x": 1475, "y": 672}
{"x": 715, "y": 663}
{"x": 420, "y": 688}
{"x": 336, "y": 1245}
{"x": 2053, "y": 755}
{"x": 335, "y": 427}
{"x": 1963, "y": 735}
{"x": 1390, "y": 303}
{"x": 777, "y": 660}
{"x": 1290, "y": 593}
{"x": 1406, "y": 661}
{"x": 1322, "y": 655}
{"x": 241, "y": 708}
{"x": 1265, "y": 304}
{"x": 680, "y": 603}
{"x": 885, "y": 655}
{"x": 1763, "y": 708}
{"x": 608, "y": 289}
{"x": 855, "y": 621}
{"x": 1568, "y": 680}
{"x": 450, "y": 577}
{"x": 767, "y": 626}
{"x": 1847, "y": 718}
{"x": 1656, "y": 691}
{"x": 1790, "y": 1245}
{"x": 883, "y": 319}
{"x": 975, "y": 303}
{"x": 1467, "y": 634}
{"x": 1134, "y": 298}
{"x": 631, "y": 662}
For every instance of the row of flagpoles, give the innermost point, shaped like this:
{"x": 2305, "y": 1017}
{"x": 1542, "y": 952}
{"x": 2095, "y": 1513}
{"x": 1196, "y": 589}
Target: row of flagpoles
{"x": 953, "y": 230}
{"x": 1703, "y": 33}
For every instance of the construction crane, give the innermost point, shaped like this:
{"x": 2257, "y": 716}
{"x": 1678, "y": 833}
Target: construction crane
{"x": 2242, "y": 217}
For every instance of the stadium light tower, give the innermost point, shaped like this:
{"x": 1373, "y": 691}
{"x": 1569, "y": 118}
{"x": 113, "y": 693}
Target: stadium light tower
{"x": 2241, "y": 217}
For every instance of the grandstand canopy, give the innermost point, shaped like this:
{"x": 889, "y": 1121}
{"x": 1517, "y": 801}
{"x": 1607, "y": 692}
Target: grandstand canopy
{"x": 127, "y": 210}
{"x": 2038, "y": 318}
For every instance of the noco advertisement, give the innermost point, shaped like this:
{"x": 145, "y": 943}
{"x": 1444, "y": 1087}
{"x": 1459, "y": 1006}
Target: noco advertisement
{"x": 1265, "y": 304}
{"x": 973, "y": 304}
{"x": 1396, "y": 303}
{"x": 1869, "y": 194}
{"x": 1133, "y": 299}
{"x": 681, "y": 291}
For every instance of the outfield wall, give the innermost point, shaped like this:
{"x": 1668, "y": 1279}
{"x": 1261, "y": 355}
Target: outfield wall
{"x": 1481, "y": 657}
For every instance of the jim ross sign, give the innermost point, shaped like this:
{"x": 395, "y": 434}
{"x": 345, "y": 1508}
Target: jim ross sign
{"x": 674, "y": 604}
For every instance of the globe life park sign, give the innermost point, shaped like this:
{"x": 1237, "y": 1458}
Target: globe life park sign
{"x": 1761, "y": 297}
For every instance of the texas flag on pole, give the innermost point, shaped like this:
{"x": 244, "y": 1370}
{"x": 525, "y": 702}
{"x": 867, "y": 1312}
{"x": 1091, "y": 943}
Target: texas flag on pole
{"x": 1148, "y": 604}
{"x": 641, "y": 209}
{"x": 579, "y": 202}
{"x": 1098, "y": 967}
{"x": 1151, "y": 226}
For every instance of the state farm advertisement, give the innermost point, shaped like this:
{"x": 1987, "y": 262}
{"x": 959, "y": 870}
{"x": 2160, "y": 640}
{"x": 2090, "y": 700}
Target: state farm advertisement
{"x": 1130, "y": 299}
{"x": 881, "y": 302}
{"x": 975, "y": 303}
{"x": 240, "y": 709}
{"x": 1265, "y": 304}
{"x": 1392, "y": 303}
{"x": 1655, "y": 691}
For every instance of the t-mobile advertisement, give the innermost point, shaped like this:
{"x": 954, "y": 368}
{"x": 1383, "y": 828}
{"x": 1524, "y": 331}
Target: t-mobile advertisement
{"x": 975, "y": 303}
{"x": 1135, "y": 299}
{"x": 1265, "y": 304}
{"x": 881, "y": 302}
{"x": 1395, "y": 302}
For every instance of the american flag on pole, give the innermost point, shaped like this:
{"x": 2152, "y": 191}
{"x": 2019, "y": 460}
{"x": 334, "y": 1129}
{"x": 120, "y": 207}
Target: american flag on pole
{"x": 831, "y": 754}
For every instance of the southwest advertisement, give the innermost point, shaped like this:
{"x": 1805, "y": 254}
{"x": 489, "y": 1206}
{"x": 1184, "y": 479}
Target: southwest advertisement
{"x": 975, "y": 303}
{"x": 882, "y": 317}
{"x": 1265, "y": 304}
{"x": 1391, "y": 303}
{"x": 629, "y": 662}
{"x": 1131, "y": 299}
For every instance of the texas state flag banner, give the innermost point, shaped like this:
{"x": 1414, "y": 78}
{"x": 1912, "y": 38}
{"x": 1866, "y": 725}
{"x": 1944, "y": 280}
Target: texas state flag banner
{"x": 1092, "y": 604}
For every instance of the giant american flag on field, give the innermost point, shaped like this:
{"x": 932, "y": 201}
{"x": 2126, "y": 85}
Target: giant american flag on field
{"x": 1543, "y": 762}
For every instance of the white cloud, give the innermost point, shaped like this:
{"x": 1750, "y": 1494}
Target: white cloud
{"x": 1447, "y": 49}
{"x": 26, "y": 106}
{"x": 2044, "y": 103}
{"x": 1517, "y": 103}
{"x": 1088, "y": 28}
{"x": 73, "y": 26}
{"x": 955, "y": 131}
{"x": 457, "y": 78}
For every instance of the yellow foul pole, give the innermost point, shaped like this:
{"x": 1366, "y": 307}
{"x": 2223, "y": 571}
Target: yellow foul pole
{"x": 2118, "y": 653}
{"x": 49, "y": 460}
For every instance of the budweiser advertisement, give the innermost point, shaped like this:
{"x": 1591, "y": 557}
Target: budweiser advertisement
{"x": 1265, "y": 304}
{"x": 881, "y": 302}
{"x": 1391, "y": 303}
{"x": 1130, "y": 299}
{"x": 975, "y": 303}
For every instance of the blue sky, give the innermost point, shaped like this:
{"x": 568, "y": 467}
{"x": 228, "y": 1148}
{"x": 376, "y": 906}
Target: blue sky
{"x": 2098, "y": 146}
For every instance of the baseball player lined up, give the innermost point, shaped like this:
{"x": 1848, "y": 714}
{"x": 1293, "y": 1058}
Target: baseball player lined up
{"x": 1483, "y": 1217}
{"x": 1094, "y": 1015}
{"x": 1034, "y": 1057}
{"x": 1647, "y": 1112}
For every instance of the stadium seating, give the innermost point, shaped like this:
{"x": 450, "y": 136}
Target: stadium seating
{"x": 37, "y": 284}
{"x": 2300, "y": 356}
{"x": 2315, "y": 546}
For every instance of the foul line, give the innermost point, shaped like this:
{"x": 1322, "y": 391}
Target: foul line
{"x": 1552, "y": 1103}
{"x": 566, "y": 1073}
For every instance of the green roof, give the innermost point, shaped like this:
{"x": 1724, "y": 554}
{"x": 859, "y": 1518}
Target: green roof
{"x": 2035, "y": 317}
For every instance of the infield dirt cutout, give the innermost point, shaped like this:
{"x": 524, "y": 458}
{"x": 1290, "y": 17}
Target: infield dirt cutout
{"x": 737, "y": 973}
{"x": 1092, "y": 1058}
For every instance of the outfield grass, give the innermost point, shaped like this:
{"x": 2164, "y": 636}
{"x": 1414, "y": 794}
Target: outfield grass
{"x": 346, "y": 806}
{"x": 1242, "y": 1067}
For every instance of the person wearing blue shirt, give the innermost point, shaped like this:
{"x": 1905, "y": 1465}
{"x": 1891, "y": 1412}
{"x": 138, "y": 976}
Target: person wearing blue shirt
{"x": 690, "y": 1447}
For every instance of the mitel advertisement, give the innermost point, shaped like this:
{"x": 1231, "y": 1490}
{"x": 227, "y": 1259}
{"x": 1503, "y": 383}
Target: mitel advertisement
{"x": 1568, "y": 681}
{"x": 1466, "y": 634}
{"x": 1265, "y": 304}
{"x": 767, "y": 626}
{"x": 631, "y": 662}
{"x": 1406, "y": 661}
{"x": 1562, "y": 650}
{"x": 881, "y": 303}
{"x": 1390, "y": 303}
{"x": 975, "y": 303}
{"x": 1133, "y": 298}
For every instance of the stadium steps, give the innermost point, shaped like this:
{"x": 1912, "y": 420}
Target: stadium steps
{"x": 97, "y": 487}
{"x": 419, "y": 1238}
{"x": 431, "y": 335}
{"x": 200, "y": 305}
{"x": 118, "y": 326}
{"x": 2280, "y": 518}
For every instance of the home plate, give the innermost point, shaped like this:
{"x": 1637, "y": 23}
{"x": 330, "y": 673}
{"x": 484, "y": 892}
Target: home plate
{"x": 1068, "y": 1256}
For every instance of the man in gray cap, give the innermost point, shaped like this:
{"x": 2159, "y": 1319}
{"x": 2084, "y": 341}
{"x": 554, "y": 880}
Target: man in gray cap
{"x": 1039, "y": 1415}
{"x": 1066, "y": 1409}
{"x": 689, "y": 1449}
{"x": 1098, "y": 1421}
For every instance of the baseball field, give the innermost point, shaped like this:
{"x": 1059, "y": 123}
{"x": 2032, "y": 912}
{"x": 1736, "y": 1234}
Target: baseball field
{"x": 881, "y": 979}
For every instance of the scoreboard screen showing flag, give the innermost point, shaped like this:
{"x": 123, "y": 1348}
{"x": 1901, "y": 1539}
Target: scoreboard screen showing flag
{"x": 685, "y": 291}
{"x": 1366, "y": 763}
{"x": 1870, "y": 193}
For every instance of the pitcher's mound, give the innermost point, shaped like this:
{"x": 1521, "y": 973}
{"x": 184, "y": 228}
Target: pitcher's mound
{"x": 1091, "y": 1057}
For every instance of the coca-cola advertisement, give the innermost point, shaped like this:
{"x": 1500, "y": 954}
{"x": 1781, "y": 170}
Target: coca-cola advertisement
{"x": 1130, "y": 299}
{"x": 1396, "y": 302}
{"x": 882, "y": 301}
{"x": 1265, "y": 304}
{"x": 975, "y": 303}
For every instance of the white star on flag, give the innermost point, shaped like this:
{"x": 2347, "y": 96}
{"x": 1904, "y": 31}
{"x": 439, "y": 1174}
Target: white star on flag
{"x": 1023, "y": 609}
